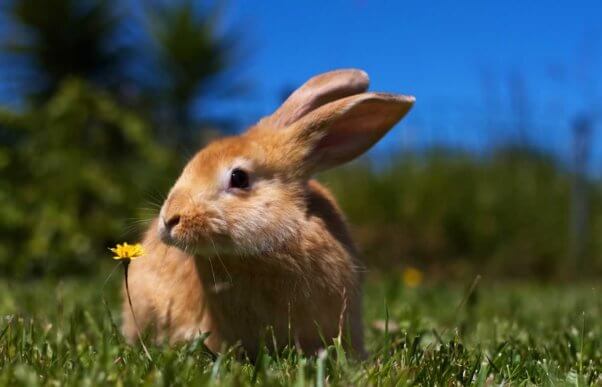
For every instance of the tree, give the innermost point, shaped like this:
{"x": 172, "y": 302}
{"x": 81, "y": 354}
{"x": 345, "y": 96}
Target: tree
{"x": 75, "y": 172}
{"x": 49, "y": 41}
{"x": 190, "y": 56}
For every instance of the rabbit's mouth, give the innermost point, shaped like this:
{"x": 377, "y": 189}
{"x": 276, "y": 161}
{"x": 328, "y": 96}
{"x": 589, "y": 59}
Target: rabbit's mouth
{"x": 194, "y": 234}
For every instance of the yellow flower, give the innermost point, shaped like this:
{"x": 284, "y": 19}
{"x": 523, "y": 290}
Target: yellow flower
{"x": 412, "y": 277}
{"x": 125, "y": 251}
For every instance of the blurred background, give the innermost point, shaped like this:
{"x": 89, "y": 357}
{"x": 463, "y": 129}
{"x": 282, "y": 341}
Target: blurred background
{"x": 496, "y": 171}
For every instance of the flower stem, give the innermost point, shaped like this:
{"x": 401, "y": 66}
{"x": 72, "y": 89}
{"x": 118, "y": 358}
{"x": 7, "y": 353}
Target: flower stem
{"x": 126, "y": 265}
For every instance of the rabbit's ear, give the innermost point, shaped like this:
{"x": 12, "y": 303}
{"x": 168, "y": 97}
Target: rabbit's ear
{"x": 319, "y": 90}
{"x": 344, "y": 129}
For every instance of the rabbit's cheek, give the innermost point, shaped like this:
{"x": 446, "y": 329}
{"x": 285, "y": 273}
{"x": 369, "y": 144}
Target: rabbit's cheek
{"x": 262, "y": 229}
{"x": 197, "y": 224}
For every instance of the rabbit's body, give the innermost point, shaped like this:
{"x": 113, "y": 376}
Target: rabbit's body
{"x": 247, "y": 246}
{"x": 235, "y": 298}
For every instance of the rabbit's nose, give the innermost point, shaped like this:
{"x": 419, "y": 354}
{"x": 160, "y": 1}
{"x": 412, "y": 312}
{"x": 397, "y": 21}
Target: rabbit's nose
{"x": 172, "y": 222}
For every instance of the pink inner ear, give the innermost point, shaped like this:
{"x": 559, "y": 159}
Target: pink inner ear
{"x": 319, "y": 91}
{"x": 355, "y": 132}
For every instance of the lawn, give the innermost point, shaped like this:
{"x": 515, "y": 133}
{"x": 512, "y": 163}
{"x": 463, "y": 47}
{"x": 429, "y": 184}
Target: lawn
{"x": 64, "y": 333}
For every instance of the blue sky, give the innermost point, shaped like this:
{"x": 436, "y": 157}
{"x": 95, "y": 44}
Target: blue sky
{"x": 464, "y": 61}
{"x": 480, "y": 70}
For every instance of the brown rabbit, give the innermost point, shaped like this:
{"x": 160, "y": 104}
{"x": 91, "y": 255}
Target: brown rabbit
{"x": 246, "y": 240}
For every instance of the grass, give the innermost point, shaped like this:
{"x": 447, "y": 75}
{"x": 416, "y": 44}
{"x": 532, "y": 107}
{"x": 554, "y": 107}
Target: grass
{"x": 65, "y": 333}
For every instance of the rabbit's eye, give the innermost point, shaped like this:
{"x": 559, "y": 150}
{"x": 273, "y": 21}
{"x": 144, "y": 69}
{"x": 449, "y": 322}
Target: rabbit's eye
{"x": 239, "y": 179}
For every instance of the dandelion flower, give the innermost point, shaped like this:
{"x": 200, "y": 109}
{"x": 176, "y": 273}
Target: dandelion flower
{"x": 127, "y": 251}
{"x": 412, "y": 277}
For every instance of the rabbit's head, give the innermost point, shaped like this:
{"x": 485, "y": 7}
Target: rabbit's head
{"x": 248, "y": 192}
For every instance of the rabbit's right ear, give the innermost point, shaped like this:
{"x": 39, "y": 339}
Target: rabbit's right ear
{"x": 318, "y": 91}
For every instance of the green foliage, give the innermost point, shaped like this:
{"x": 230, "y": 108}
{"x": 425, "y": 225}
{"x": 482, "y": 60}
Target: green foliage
{"x": 77, "y": 166}
{"x": 79, "y": 170}
{"x": 510, "y": 335}
{"x": 53, "y": 40}
{"x": 190, "y": 52}
{"x": 162, "y": 61}
{"x": 74, "y": 173}
{"x": 507, "y": 213}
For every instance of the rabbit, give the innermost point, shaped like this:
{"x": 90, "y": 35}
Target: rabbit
{"x": 247, "y": 246}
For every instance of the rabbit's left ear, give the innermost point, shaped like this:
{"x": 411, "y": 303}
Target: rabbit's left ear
{"x": 317, "y": 92}
{"x": 344, "y": 129}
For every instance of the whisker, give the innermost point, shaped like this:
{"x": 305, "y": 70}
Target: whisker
{"x": 156, "y": 197}
{"x": 135, "y": 226}
{"x": 153, "y": 204}
{"x": 149, "y": 210}
{"x": 221, "y": 261}
{"x": 127, "y": 231}
{"x": 212, "y": 272}
{"x": 131, "y": 221}
{"x": 109, "y": 277}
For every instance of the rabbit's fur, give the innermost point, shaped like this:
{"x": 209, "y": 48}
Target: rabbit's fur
{"x": 274, "y": 257}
